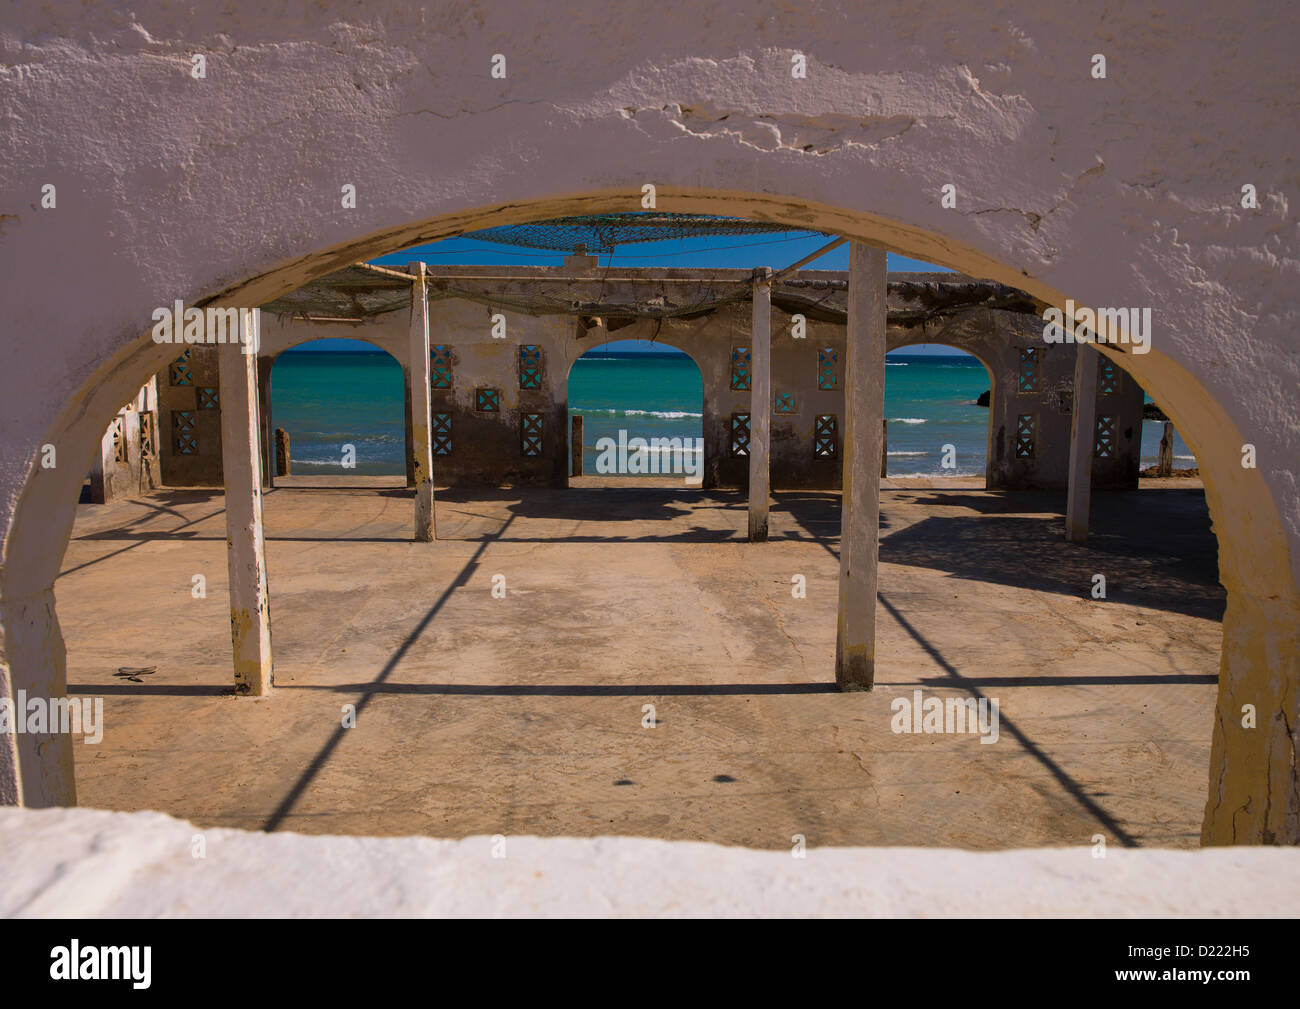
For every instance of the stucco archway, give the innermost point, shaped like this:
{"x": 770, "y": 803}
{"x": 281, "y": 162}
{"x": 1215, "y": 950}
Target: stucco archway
{"x": 595, "y": 426}
{"x": 716, "y": 127}
{"x": 1183, "y": 398}
{"x": 386, "y": 409}
{"x": 972, "y": 349}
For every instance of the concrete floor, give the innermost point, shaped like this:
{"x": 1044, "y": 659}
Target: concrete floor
{"x": 523, "y": 715}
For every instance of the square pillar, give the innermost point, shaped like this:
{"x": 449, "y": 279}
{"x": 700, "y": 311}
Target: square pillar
{"x": 760, "y": 405}
{"x": 250, "y": 615}
{"x": 36, "y": 768}
{"x": 265, "y": 430}
{"x": 421, "y": 398}
{"x": 864, "y": 407}
{"x": 1083, "y": 421}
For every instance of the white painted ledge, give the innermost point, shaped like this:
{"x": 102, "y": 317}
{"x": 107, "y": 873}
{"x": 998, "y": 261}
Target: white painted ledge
{"x": 88, "y": 863}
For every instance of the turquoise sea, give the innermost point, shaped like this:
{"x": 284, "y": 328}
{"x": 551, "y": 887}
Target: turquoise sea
{"x": 326, "y": 399}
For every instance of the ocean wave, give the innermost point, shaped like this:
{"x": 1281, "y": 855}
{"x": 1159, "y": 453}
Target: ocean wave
{"x": 337, "y": 460}
{"x": 341, "y": 438}
{"x": 666, "y": 414}
{"x": 907, "y": 420}
{"x": 908, "y": 453}
{"x": 943, "y": 474}
{"x": 895, "y": 364}
{"x": 650, "y": 450}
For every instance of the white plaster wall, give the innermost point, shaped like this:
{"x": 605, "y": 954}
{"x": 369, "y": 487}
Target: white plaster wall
{"x": 89, "y": 863}
{"x": 1115, "y": 192}
{"x": 1123, "y": 191}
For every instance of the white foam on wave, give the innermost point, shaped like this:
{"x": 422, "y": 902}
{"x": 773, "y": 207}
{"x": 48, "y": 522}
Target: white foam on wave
{"x": 666, "y": 414}
{"x": 909, "y": 453}
{"x": 653, "y": 450}
{"x": 907, "y": 420}
{"x": 944, "y": 475}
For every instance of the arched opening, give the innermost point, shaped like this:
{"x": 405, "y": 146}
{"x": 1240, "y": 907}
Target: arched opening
{"x": 1184, "y": 397}
{"x": 1164, "y": 451}
{"x": 937, "y": 408}
{"x": 340, "y": 402}
{"x": 646, "y": 396}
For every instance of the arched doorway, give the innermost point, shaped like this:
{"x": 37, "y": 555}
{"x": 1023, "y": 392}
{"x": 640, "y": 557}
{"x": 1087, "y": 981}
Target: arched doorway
{"x": 937, "y": 409}
{"x": 1250, "y": 620}
{"x": 341, "y": 403}
{"x": 647, "y": 397}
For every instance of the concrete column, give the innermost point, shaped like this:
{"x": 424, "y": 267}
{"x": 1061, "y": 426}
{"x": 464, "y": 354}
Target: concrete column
{"x": 410, "y": 445}
{"x": 864, "y": 407}
{"x": 264, "y": 420}
{"x": 1165, "y": 464}
{"x": 250, "y": 616}
{"x": 36, "y": 768}
{"x": 1083, "y": 423}
{"x": 760, "y": 405}
{"x": 100, "y": 490}
{"x": 575, "y": 446}
{"x": 283, "y": 465}
{"x": 11, "y": 787}
{"x": 421, "y": 407}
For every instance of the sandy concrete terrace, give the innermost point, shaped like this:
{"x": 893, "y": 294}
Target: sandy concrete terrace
{"x": 478, "y": 715}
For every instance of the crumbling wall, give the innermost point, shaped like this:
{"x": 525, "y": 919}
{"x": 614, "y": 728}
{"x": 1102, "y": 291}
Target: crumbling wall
{"x": 127, "y": 462}
{"x": 189, "y": 419}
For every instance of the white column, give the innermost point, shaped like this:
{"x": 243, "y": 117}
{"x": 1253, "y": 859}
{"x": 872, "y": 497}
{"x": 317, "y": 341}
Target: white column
{"x": 421, "y": 406}
{"x": 760, "y": 405}
{"x": 864, "y": 390}
{"x": 1083, "y": 425}
{"x": 36, "y": 768}
{"x": 266, "y": 433}
{"x": 250, "y": 616}
{"x": 11, "y": 787}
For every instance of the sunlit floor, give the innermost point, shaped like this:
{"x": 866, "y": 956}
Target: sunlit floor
{"x": 626, "y": 606}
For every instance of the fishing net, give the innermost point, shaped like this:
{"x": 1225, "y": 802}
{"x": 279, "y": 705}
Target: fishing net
{"x": 601, "y": 233}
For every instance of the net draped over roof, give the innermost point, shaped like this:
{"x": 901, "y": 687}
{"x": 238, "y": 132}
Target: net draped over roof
{"x": 363, "y": 291}
{"x": 602, "y": 232}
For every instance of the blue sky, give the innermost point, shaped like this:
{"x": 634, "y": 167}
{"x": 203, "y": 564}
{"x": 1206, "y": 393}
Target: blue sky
{"x": 777, "y": 250}
{"x": 741, "y": 252}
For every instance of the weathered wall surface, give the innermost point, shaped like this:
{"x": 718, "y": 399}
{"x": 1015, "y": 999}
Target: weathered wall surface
{"x": 127, "y": 463}
{"x": 1117, "y": 192}
{"x": 505, "y": 428}
{"x": 474, "y": 357}
{"x": 189, "y": 419}
{"x": 1032, "y": 399}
